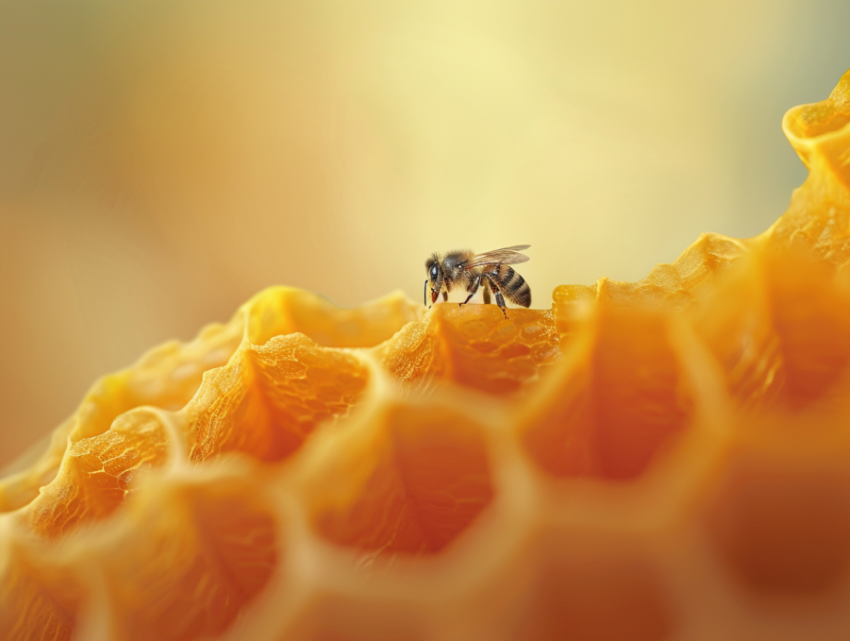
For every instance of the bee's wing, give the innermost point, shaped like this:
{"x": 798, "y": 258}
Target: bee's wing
{"x": 504, "y": 256}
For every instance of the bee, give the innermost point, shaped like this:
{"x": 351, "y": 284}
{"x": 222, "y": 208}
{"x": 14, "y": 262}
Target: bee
{"x": 492, "y": 270}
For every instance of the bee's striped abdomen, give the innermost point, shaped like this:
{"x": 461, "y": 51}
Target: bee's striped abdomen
{"x": 513, "y": 286}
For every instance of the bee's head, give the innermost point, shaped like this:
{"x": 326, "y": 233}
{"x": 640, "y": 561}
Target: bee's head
{"x": 435, "y": 277}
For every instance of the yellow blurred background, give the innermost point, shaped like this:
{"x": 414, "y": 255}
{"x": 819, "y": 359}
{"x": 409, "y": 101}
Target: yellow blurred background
{"x": 160, "y": 162}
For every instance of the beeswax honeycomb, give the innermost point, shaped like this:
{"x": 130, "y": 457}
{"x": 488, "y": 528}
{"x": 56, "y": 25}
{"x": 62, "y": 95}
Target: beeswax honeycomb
{"x": 661, "y": 460}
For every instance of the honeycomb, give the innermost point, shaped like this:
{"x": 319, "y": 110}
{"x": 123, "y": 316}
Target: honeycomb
{"x": 649, "y": 461}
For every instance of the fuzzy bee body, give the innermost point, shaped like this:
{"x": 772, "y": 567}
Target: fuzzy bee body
{"x": 491, "y": 270}
{"x": 513, "y": 286}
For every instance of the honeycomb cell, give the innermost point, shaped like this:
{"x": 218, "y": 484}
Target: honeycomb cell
{"x": 412, "y": 485}
{"x": 473, "y": 346}
{"x": 345, "y": 617}
{"x": 97, "y": 474}
{"x": 688, "y": 279}
{"x": 810, "y": 122}
{"x": 783, "y": 529}
{"x": 597, "y": 598}
{"x": 673, "y": 286}
{"x": 610, "y": 410}
{"x": 166, "y": 377}
{"x": 279, "y": 311}
{"x": 271, "y": 397}
{"x": 40, "y": 600}
{"x": 22, "y": 485}
{"x": 812, "y": 320}
{"x": 780, "y": 330}
{"x": 192, "y": 557}
{"x": 818, "y": 219}
{"x": 819, "y": 133}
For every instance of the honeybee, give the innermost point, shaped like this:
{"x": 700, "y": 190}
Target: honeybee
{"x": 465, "y": 268}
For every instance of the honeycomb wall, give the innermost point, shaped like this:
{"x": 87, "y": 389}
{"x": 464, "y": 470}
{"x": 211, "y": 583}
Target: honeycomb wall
{"x": 662, "y": 460}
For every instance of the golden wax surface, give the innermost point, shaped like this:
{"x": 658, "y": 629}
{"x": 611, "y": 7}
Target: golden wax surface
{"x": 163, "y": 161}
{"x": 657, "y": 460}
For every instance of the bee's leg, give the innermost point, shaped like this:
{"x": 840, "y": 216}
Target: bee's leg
{"x": 472, "y": 289}
{"x": 486, "y": 292}
{"x": 445, "y": 296}
{"x": 500, "y": 300}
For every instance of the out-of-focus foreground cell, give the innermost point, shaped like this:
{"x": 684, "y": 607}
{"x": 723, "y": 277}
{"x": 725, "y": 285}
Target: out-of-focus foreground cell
{"x": 652, "y": 461}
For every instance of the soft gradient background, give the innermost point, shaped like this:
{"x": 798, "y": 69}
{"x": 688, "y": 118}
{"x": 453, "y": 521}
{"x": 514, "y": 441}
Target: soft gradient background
{"x": 160, "y": 162}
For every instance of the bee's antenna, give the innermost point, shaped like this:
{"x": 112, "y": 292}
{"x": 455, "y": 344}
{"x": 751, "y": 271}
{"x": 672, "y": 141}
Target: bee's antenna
{"x": 424, "y": 292}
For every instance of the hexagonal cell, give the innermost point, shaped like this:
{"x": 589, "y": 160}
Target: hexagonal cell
{"x": 278, "y": 311}
{"x": 350, "y": 617}
{"x": 473, "y": 346}
{"x": 675, "y": 286}
{"x": 97, "y": 474}
{"x": 268, "y": 401}
{"x": 189, "y": 560}
{"x": 412, "y": 484}
{"x": 610, "y": 412}
{"x": 782, "y": 529}
{"x": 41, "y": 600}
{"x": 811, "y": 317}
{"x": 780, "y": 330}
{"x": 593, "y": 597}
{"x": 167, "y": 377}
